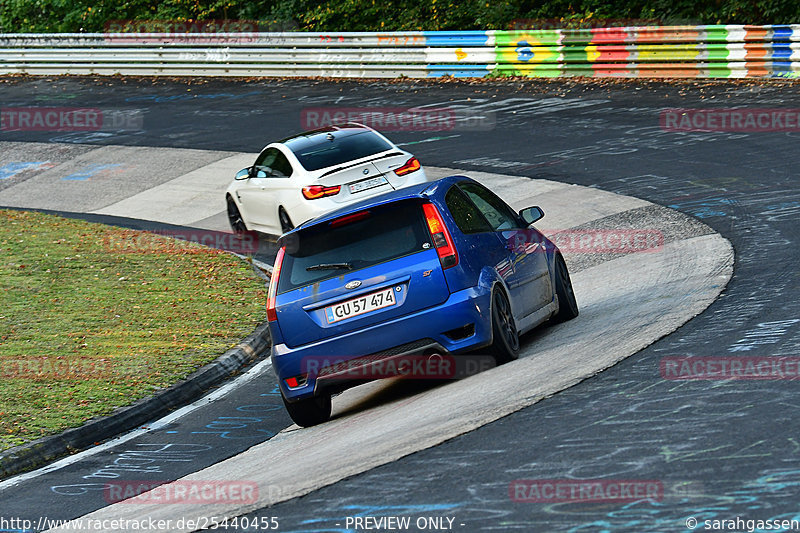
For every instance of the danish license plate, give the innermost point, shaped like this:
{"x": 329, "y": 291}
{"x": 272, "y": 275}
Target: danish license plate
{"x": 361, "y": 305}
{"x": 367, "y": 184}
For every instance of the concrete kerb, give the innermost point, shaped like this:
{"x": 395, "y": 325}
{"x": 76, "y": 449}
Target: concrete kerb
{"x": 39, "y": 452}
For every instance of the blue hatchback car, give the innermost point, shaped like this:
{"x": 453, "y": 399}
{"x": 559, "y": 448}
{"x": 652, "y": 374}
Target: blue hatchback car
{"x": 443, "y": 267}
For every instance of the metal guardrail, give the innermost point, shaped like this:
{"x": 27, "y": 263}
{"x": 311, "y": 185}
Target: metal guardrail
{"x": 667, "y": 51}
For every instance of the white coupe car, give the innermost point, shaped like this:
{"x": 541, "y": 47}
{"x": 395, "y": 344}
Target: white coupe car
{"x": 309, "y": 174}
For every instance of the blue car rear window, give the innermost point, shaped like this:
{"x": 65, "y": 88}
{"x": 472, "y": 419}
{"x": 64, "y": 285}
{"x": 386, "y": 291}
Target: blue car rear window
{"x": 343, "y": 148}
{"x": 374, "y": 236}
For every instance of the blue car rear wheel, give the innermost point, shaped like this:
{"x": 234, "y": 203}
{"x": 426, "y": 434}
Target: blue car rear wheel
{"x": 505, "y": 338}
{"x": 567, "y": 305}
{"x": 310, "y": 411}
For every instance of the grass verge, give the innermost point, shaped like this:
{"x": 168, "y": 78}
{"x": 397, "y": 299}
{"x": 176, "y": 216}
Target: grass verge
{"x": 86, "y": 328}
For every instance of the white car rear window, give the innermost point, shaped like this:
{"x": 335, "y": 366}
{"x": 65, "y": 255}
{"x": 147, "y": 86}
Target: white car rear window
{"x": 342, "y": 149}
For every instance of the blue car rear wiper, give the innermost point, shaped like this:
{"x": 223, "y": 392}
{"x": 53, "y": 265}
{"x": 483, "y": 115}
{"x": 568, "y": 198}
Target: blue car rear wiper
{"x": 331, "y": 266}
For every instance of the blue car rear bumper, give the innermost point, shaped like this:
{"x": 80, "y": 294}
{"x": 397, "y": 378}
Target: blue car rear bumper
{"x": 415, "y": 333}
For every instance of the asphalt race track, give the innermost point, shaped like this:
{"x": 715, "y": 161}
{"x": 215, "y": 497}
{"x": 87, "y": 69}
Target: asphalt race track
{"x": 716, "y": 449}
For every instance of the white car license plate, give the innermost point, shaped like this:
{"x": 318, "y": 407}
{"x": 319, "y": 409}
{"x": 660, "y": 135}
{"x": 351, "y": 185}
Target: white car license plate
{"x": 367, "y": 184}
{"x": 360, "y": 305}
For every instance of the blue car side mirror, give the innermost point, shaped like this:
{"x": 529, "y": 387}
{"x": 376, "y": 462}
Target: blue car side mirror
{"x": 531, "y": 214}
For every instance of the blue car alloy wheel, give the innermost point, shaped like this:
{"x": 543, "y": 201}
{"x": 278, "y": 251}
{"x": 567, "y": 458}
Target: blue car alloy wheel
{"x": 505, "y": 345}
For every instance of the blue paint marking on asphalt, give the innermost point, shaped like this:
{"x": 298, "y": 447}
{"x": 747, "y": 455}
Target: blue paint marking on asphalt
{"x": 89, "y": 172}
{"x": 10, "y": 170}
{"x": 705, "y": 208}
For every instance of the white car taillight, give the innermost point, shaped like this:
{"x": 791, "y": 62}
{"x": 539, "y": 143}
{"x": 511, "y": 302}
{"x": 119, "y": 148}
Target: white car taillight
{"x": 412, "y": 165}
{"x": 312, "y": 192}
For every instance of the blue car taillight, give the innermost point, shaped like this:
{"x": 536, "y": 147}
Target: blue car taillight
{"x": 442, "y": 241}
{"x": 272, "y": 314}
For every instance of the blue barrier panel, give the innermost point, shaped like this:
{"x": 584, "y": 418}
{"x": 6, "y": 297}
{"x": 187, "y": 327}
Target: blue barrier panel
{"x": 781, "y": 51}
{"x": 781, "y": 67}
{"x": 456, "y": 38}
{"x": 781, "y": 33}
